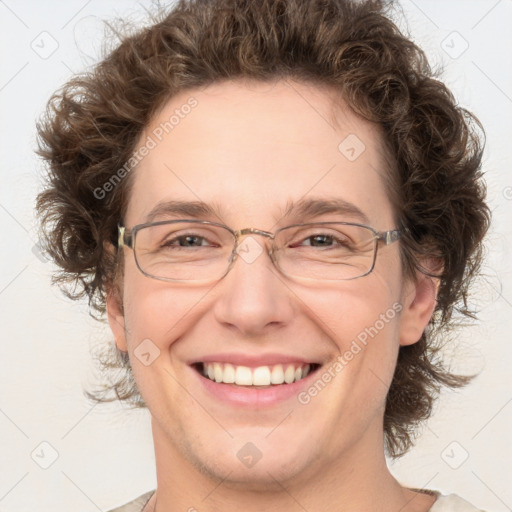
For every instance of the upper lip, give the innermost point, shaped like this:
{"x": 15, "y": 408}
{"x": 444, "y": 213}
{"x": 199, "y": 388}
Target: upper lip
{"x": 252, "y": 361}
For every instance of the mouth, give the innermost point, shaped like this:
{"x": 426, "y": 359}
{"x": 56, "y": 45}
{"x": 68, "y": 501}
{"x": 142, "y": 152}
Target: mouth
{"x": 257, "y": 377}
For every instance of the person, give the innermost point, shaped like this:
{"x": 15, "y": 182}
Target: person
{"x": 278, "y": 207}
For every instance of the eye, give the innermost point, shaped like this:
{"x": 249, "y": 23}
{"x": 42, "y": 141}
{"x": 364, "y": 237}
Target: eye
{"x": 189, "y": 239}
{"x": 320, "y": 240}
{"x": 327, "y": 240}
{"x": 185, "y": 241}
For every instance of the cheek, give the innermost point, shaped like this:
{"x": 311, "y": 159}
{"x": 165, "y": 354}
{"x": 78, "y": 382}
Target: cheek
{"x": 157, "y": 316}
{"x": 361, "y": 323}
{"x": 159, "y": 311}
{"x": 359, "y": 309}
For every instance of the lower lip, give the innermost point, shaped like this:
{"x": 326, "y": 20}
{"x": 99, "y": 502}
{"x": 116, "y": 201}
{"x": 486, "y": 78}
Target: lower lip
{"x": 252, "y": 396}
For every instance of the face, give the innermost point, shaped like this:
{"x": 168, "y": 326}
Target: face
{"x": 250, "y": 150}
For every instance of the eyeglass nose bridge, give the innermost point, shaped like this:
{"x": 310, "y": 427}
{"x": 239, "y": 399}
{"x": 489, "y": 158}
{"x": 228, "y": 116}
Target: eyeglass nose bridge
{"x": 251, "y": 231}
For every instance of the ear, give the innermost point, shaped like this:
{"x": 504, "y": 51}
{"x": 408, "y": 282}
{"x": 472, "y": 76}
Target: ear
{"x": 115, "y": 314}
{"x": 419, "y": 298}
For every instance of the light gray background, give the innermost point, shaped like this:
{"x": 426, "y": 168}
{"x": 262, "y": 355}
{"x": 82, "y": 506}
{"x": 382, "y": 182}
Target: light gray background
{"x": 105, "y": 453}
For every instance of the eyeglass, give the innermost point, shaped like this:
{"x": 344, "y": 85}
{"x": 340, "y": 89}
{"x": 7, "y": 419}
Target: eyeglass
{"x": 204, "y": 251}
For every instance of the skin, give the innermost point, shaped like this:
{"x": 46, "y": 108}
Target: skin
{"x": 252, "y": 147}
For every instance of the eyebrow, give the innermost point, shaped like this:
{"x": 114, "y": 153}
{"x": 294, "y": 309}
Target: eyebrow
{"x": 191, "y": 209}
{"x": 314, "y": 207}
{"x": 300, "y": 210}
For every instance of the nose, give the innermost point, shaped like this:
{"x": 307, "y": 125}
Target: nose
{"x": 253, "y": 296}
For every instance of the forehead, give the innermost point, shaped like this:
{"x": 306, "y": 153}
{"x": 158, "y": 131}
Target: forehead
{"x": 252, "y": 149}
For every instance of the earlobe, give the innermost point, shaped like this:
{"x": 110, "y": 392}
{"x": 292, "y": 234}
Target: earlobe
{"x": 419, "y": 303}
{"x": 115, "y": 315}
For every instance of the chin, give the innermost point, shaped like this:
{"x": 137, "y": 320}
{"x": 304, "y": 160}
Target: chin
{"x": 253, "y": 466}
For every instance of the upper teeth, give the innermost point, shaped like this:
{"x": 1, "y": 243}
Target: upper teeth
{"x": 260, "y": 376}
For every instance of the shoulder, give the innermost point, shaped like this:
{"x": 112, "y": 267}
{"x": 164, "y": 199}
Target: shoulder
{"x": 452, "y": 503}
{"x": 448, "y": 503}
{"x": 136, "y": 505}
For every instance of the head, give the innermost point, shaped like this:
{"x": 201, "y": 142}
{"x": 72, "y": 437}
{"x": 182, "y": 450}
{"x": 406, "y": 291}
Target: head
{"x": 254, "y": 108}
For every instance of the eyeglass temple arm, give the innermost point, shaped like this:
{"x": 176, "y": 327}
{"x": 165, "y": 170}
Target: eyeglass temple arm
{"x": 124, "y": 237}
{"x": 388, "y": 237}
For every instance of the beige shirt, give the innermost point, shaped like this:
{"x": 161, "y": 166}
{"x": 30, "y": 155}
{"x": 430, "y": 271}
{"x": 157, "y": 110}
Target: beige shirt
{"x": 448, "y": 503}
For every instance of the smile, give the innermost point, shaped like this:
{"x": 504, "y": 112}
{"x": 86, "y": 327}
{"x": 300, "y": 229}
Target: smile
{"x": 277, "y": 374}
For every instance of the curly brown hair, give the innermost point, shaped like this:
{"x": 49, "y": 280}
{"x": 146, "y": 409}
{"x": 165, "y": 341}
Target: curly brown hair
{"x": 92, "y": 125}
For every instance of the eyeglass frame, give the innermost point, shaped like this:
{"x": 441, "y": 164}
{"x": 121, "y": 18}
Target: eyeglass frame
{"x": 127, "y": 236}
